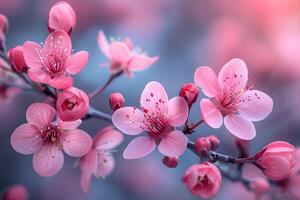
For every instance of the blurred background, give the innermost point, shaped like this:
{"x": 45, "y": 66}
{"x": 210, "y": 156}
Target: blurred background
{"x": 185, "y": 34}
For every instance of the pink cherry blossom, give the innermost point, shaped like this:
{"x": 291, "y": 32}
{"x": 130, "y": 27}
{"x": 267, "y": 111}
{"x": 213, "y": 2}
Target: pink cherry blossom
{"x": 231, "y": 98}
{"x": 54, "y": 63}
{"x": 45, "y": 139}
{"x": 158, "y": 117}
{"x": 99, "y": 161}
{"x": 15, "y": 192}
{"x": 203, "y": 180}
{"x": 123, "y": 56}
{"x": 72, "y": 104}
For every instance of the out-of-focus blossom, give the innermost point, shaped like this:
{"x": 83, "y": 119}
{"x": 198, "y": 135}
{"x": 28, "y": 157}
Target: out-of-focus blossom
{"x": 203, "y": 180}
{"x": 190, "y": 93}
{"x": 15, "y": 192}
{"x": 123, "y": 56}
{"x": 8, "y": 92}
{"x": 72, "y": 104}
{"x": 99, "y": 161}
{"x": 277, "y": 160}
{"x": 16, "y": 59}
{"x": 116, "y": 101}
{"x": 214, "y": 141}
{"x": 232, "y": 99}
{"x": 3, "y": 23}
{"x": 54, "y": 63}
{"x": 170, "y": 162}
{"x": 259, "y": 186}
{"x": 202, "y": 145}
{"x": 158, "y": 117}
{"x": 46, "y": 139}
{"x": 61, "y": 17}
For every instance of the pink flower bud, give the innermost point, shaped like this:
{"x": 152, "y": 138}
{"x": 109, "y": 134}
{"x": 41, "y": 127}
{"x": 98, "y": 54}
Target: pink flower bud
{"x": 3, "y": 23}
{"x": 259, "y": 186}
{"x": 190, "y": 93}
{"x": 16, "y": 58}
{"x": 116, "y": 101}
{"x": 202, "y": 145}
{"x": 72, "y": 104}
{"x": 276, "y": 160}
{"x": 214, "y": 141}
{"x": 15, "y": 192}
{"x": 171, "y": 162}
{"x": 61, "y": 17}
{"x": 203, "y": 180}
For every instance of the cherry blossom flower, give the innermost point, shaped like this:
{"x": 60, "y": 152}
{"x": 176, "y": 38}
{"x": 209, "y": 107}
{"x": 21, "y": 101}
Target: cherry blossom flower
{"x": 54, "y": 63}
{"x": 15, "y": 192}
{"x": 231, "y": 98}
{"x": 99, "y": 161}
{"x": 45, "y": 139}
{"x": 123, "y": 57}
{"x": 158, "y": 117}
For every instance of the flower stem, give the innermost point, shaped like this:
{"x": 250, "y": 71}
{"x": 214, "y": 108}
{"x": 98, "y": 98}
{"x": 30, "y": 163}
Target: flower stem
{"x": 189, "y": 129}
{"x": 94, "y": 113}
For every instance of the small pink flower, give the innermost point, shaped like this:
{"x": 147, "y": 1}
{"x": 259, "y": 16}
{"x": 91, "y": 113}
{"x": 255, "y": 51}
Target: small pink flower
{"x": 259, "y": 186}
{"x": 116, "y": 101}
{"x": 231, "y": 98}
{"x": 53, "y": 63}
{"x": 190, "y": 93}
{"x": 16, "y": 58}
{"x": 61, "y": 17}
{"x": 72, "y": 104}
{"x": 100, "y": 161}
{"x": 277, "y": 160}
{"x": 158, "y": 117}
{"x": 123, "y": 57}
{"x": 15, "y": 192}
{"x": 203, "y": 180}
{"x": 46, "y": 139}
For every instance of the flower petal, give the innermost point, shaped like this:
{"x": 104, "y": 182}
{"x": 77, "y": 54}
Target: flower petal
{"x": 58, "y": 41}
{"x": 206, "y": 79}
{"x": 255, "y": 105}
{"x": 129, "y": 120}
{"x": 38, "y": 75}
{"x": 105, "y": 165}
{"x": 40, "y": 114}
{"x": 48, "y": 160}
{"x": 139, "y": 147}
{"x": 103, "y": 44}
{"x": 211, "y": 114}
{"x": 25, "y": 139}
{"x": 173, "y": 144}
{"x": 108, "y": 138}
{"x": 119, "y": 52}
{"x": 69, "y": 125}
{"x": 177, "y": 111}
{"x": 141, "y": 62}
{"x": 31, "y": 54}
{"x": 85, "y": 180}
{"x": 76, "y": 143}
{"x": 76, "y": 62}
{"x": 88, "y": 163}
{"x": 61, "y": 82}
{"x": 240, "y": 127}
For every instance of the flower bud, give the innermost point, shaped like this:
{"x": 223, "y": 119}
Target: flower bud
{"x": 3, "y": 23}
{"x": 203, "y": 180}
{"x": 171, "y": 162}
{"x": 16, "y": 58}
{"x": 259, "y": 186}
{"x": 276, "y": 160}
{"x": 190, "y": 93}
{"x": 116, "y": 101}
{"x": 214, "y": 141}
{"x": 72, "y": 104}
{"x": 61, "y": 17}
{"x": 15, "y": 192}
{"x": 202, "y": 145}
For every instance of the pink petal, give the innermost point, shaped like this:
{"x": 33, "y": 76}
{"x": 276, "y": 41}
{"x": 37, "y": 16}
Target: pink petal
{"x": 240, "y": 127}
{"x": 58, "y": 41}
{"x": 69, "y": 125}
{"x": 40, "y": 114}
{"x": 255, "y": 105}
{"x": 154, "y": 99}
{"x": 88, "y": 163}
{"x": 108, "y": 138}
{"x": 61, "y": 82}
{"x": 76, "y": 143}
{"x": 106, "y": 164}
{"x": 38, "y": 75}
{"x": 85, "y": 180}
{"x": 76, "y": 62}
{"x": 25, "y": 139}
{"x": 173, "y": 144}
{"x": 211, "y": 114}
{"x": 48, "y": 160}
{"x": 139, "y": 147}
{"x": 31, "y": 55}
{"x": 103, "y": 44}
{"x": 233, "y": 76}
{"x": 119, "y": 52}
{"x": 206, "y": 79}
{"x": 177, "y": 111}
{"x": 141, "y": 62}
{"x": 129, "y": 120}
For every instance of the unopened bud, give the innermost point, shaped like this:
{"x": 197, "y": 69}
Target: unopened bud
{"x": 214, "y": 141}
{"x": 116, "y": 101}
{"x": 170, "y": 162}
{"x": 190, "y": 93}
{"x": 16, "y": 58}
{"x": 202, "y": 145}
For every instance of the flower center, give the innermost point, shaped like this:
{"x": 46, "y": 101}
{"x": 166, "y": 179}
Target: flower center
{"x": 68, "y": 105}
{"x": 51, "y": 134}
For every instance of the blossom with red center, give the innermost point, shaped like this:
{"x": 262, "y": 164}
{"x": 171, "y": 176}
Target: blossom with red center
{"x": 123, "y": 57}
{"x": 100, "y": 161}
{"x": 231, "y": 98}
{"x": 45, "y": 139}
{"x": 203, "y": 180}
{"x": 158, "y": 117}
{"x": 54, "y": 63}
